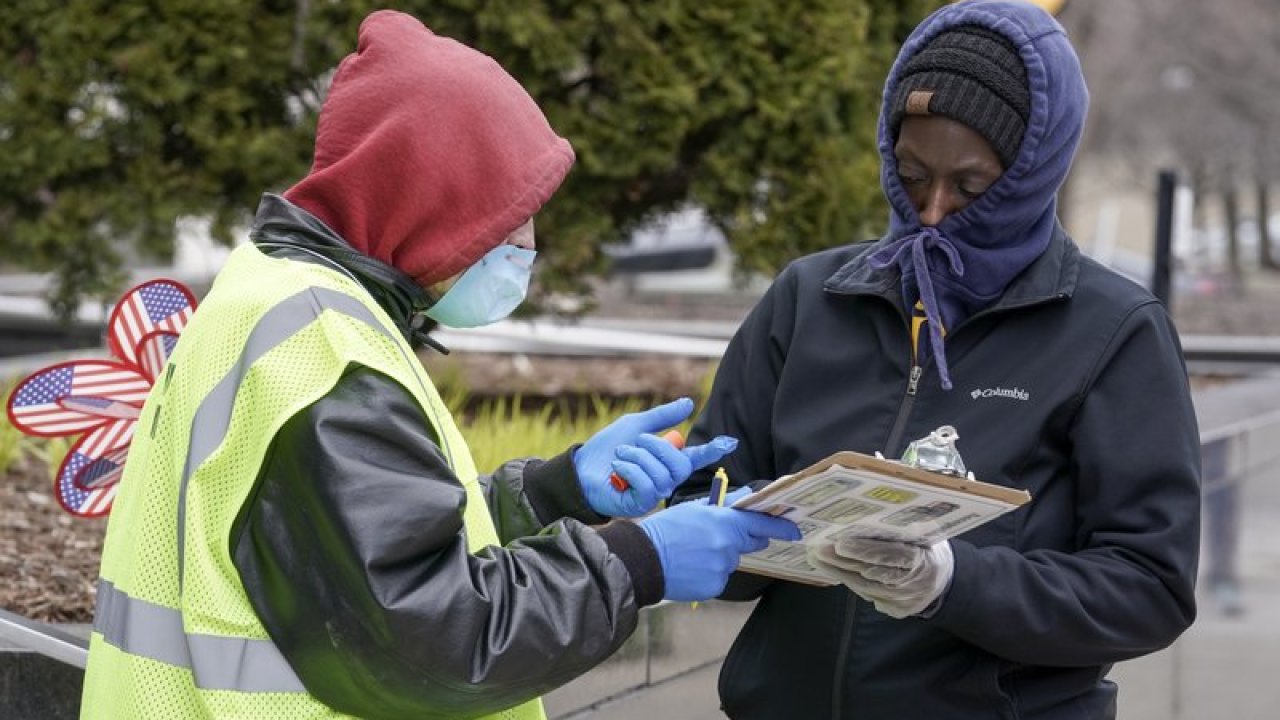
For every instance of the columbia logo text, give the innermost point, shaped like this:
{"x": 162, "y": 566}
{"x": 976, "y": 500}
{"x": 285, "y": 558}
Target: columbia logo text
{"x": 1012, "y": 393}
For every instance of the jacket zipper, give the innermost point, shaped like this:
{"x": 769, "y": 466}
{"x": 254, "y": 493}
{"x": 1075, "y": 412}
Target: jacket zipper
{"x": 909, "y": 399}
{"x": 895, "y": 437}
{"x": 913, "y": 381}
{"x": 904, "y": 411}
{"x": 846, "y": 634}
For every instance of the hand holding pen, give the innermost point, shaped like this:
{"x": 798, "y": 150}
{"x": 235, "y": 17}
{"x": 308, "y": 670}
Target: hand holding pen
{"x": 625, "y": 470}
{"x": 719, "y": 489}
{"x": 699, "y": 544}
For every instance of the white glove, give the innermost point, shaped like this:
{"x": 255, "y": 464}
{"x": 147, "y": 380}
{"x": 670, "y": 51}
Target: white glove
{"x": 901, "y": 579}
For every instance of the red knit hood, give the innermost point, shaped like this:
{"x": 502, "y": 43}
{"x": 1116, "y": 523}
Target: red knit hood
{"x": 428, "y": 154}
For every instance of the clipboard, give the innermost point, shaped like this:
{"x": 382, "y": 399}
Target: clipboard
{"x": 849, "y": 492}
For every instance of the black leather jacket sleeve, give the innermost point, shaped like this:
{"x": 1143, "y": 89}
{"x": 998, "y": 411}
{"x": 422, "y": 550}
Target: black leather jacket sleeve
{"x": 528, "y": 494}
{"x": 353, "y": 554}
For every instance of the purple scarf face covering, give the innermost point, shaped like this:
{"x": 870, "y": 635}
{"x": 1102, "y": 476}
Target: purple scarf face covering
{"x": 909, "y": 252}
{"x": 965, "y": 262}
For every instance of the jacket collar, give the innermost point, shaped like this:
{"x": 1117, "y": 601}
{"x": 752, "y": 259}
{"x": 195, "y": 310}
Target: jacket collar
{"x": 1052, "y": 276}
{"x": 283, "y": 229}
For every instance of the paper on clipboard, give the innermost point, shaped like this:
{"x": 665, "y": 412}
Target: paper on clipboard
{"x": 852, "y": 493}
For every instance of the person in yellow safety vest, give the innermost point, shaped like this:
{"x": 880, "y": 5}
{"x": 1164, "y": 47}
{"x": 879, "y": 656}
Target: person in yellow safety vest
{"x": 300, "y": 531}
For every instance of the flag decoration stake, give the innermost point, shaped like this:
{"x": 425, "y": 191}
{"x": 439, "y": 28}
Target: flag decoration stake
{"x": 101, "y": 399}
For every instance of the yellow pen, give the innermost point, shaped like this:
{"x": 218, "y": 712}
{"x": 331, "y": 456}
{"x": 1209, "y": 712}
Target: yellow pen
{"x": 719, "y": 488}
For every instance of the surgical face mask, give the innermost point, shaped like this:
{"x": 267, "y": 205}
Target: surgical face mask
{"x": 488, "y": 291}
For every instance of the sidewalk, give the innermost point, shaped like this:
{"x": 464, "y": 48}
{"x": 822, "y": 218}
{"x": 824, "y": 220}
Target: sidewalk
{"x": 1223, "y": 667}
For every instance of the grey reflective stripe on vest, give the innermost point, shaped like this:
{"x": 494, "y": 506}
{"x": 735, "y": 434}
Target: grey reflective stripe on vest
{"x": 213, "y": 417}
{"x": 155, "y": 632}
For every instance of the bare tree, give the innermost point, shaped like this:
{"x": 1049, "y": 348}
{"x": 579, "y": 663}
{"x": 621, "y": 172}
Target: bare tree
{"x": 1189, "y": 85}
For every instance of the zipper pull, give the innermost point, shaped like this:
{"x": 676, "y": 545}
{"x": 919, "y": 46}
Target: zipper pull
{"x": 914, "y": 382}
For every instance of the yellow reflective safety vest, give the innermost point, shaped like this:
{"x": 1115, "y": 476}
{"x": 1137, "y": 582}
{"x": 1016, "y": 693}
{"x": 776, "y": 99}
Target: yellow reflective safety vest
{"x": 174, "y": 633}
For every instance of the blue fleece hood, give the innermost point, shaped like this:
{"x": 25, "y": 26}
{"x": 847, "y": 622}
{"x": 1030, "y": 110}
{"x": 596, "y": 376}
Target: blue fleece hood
{"x": 972, "y": 255}
{"x": 1022, "y": 202}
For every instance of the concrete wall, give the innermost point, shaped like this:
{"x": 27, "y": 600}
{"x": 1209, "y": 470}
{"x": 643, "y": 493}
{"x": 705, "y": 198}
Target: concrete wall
{"x": 673, "y": 640}
{"x": 34, "y": 687}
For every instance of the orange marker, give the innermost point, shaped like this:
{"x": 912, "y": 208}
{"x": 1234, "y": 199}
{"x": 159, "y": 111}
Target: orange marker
{"x": 672, "y": 436}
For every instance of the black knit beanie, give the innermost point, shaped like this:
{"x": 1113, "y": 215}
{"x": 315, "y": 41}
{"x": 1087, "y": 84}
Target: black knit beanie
{"x": 973, "y": 76}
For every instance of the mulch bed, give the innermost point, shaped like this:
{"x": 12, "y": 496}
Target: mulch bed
{"x": 48, "y": 559}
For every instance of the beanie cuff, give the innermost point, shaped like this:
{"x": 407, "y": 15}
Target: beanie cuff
{"x": 974, "y": 76}
{"x": 966, "y": 101}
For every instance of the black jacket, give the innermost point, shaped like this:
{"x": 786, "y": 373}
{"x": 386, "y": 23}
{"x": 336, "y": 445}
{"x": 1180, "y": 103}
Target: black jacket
{"x": 1095, "y": 421}
{"x": 352, "y": 553}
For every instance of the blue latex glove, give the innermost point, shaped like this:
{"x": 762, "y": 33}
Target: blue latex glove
{"x": 699, "y": 544}
{"x": 652, "y": 466}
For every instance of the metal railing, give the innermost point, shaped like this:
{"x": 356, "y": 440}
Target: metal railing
{"x": 48, "y": 640}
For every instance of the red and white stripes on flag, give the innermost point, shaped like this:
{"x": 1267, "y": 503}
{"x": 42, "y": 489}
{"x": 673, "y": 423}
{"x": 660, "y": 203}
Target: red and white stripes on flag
{"x": 158, "y": 306}
{"x": 73, "y": 397}
{"x": 103, "y": 398}
{"x": 100, "y": 442}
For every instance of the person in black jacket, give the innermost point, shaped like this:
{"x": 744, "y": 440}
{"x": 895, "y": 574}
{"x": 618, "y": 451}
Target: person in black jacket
{"x": 975, "y": 310}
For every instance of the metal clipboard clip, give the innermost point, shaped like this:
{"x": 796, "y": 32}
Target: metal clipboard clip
{"x": 936, "y": 452}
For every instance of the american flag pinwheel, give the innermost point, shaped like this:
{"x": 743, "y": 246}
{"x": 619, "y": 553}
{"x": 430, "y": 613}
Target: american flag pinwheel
{"x": 101, "y": 399}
